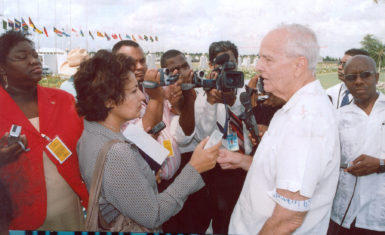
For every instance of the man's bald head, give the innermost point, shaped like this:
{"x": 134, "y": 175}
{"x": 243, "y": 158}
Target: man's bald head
{"x": 367, "y": 61}
{"x": 361, "y": 79}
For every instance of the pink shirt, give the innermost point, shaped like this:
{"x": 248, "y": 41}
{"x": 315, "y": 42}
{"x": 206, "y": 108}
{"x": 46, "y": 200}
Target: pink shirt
{"x": 172, "y": 163}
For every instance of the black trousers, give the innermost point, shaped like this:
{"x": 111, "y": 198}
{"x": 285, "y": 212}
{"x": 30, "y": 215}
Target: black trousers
{"x": 195, "y": 215}
{"x": 224, "y": 189}
{"x": 336, "y": 229}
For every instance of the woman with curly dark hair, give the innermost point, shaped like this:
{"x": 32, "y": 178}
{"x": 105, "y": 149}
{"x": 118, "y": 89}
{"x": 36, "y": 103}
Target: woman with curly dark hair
{"x": 44, "y": 183}
{"x": 108, "y": 96}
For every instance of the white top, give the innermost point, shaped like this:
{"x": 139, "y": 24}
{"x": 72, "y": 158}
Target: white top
{"x": 185, "y": 143}
{"x": 206, "y": 117}
{"x": 299, "y": 152}
{"x": 337, "y": 93}
{"x": 361, "y": 134}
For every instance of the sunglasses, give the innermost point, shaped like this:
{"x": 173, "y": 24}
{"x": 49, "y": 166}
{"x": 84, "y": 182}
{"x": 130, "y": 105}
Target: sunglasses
{"x": 353, "y": 77}
{"x": 341, "y": 63}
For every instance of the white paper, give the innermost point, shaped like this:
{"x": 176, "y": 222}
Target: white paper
{"x": 146, "y": 143}
{"x": 215, "y": 137}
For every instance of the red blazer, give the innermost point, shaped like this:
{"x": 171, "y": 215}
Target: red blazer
{"x": 24, "y": 178}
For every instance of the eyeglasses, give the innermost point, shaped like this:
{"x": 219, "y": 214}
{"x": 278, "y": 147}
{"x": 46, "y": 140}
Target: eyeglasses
{"x": 353, "y": 77}
{"x": 341, "y": 63}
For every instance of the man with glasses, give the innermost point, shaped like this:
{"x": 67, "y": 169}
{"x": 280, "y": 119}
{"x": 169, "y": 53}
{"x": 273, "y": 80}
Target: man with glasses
{"x": 358, "y": 206}
{"x": 338, "y": 94}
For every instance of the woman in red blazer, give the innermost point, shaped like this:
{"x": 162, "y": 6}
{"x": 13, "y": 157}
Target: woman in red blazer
{"x": 45, "y": 184}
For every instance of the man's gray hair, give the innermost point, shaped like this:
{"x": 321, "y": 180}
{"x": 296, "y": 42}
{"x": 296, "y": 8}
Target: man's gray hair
{"x": 302, "y": 41}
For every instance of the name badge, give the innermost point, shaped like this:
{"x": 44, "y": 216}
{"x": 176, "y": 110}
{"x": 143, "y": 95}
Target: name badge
{"x": 232, "y": 142}
{"x": 167, "y": 144}
{"x": 59, "y": 150}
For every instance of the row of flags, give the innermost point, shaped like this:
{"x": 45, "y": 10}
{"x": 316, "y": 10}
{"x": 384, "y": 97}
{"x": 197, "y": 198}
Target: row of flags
{"x": 23, "y": 26}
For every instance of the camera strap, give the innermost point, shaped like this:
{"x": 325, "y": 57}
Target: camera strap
{"x": 226, "y": 126}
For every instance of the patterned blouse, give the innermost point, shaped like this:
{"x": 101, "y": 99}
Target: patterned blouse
{"x": 129, "y": 185}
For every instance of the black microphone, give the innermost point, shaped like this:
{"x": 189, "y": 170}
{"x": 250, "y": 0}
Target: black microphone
{"x": 248, "y": 115}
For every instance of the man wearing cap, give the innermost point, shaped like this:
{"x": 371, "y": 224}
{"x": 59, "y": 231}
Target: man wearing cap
{"x": 358, "y": 206}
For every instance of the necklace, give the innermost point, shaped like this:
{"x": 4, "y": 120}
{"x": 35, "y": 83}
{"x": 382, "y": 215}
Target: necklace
{"x": 114, "y": 129}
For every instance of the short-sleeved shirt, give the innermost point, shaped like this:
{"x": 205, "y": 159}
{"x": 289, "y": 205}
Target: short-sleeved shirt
{"x": 299, "y": 152}
{"x": 361, "y": 134}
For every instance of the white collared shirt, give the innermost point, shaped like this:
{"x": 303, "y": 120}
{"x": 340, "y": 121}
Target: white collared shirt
{"x": 186, "y": 143}
{"x": 206, "y": 117}
{"x": 299, "y": 152}
{"x": 337, "y": 92}
{"x": 361, "y": 134}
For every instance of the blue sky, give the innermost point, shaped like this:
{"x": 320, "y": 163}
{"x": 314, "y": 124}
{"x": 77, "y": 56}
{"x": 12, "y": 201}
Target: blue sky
{"x": 191, "y": 26}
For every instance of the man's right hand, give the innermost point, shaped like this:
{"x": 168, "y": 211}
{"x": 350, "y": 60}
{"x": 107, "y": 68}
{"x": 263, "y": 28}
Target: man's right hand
{"x": 10, "y": 153}
{"x": 233, "y": 160}
{"x": 155, "y": 93}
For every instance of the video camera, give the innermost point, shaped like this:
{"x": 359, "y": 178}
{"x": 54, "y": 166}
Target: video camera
{"x": 166, "y": 79}
{"x": 227, "y": 77}
{"x": 259, "y": 91}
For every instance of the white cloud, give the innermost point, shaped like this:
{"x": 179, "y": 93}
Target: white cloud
{"x": 191, "y": 26}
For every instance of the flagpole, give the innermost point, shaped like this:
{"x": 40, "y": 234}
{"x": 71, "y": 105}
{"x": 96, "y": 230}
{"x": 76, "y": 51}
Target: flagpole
{"x": 55, "y": 38}
{"x": 38, "y": 21}
{"x": 2, "y": 15}
{"x": 70, "y": 27}
{"x": 88, "y": 32}
{"x": 18, "y": 10}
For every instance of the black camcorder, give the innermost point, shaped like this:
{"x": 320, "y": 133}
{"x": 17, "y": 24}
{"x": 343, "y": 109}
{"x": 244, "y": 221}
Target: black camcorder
{"x": 227, "y": 77}
{"x": 166, "y": 79}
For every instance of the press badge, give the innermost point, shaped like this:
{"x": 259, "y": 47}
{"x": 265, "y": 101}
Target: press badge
{"x": 232, "y": 142}
{"x": 167, "y": 144}
{"x": 59, "y": 150}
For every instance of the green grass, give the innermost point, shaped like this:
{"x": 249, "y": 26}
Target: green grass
{"x": 51, "y": 81}
{"x": 329, "y": 79}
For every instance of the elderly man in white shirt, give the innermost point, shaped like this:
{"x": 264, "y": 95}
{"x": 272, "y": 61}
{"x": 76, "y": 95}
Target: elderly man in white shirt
{"x": 339, "y": 94}
{"x": 292, "y": 178}
{"x": 359, "y": 204}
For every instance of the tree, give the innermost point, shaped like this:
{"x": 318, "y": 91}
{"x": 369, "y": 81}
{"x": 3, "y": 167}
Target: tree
{"x": 375, "y": 48}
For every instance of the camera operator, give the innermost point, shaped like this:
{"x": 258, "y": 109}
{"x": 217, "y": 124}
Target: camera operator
{"x": 264, "y": 107}
{"x": 155, "y": 108}
{"x": 194, "y": 216}
{"x": 211, "y": 108}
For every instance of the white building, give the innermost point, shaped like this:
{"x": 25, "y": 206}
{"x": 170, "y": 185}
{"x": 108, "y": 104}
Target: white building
{"x": 52, "y": 58}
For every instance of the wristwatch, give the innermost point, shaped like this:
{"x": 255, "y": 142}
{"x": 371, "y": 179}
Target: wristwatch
{"x": 382, "y": 166}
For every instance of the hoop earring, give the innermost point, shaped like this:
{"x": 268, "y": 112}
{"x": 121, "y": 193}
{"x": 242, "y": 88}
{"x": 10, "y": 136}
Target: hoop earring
{"x": 6, "y": 81}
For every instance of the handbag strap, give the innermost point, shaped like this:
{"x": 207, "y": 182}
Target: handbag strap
{"x": 97, "y": 177}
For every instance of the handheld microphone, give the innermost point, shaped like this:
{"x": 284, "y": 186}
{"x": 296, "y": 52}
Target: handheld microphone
{"x": 248, "y": 115}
